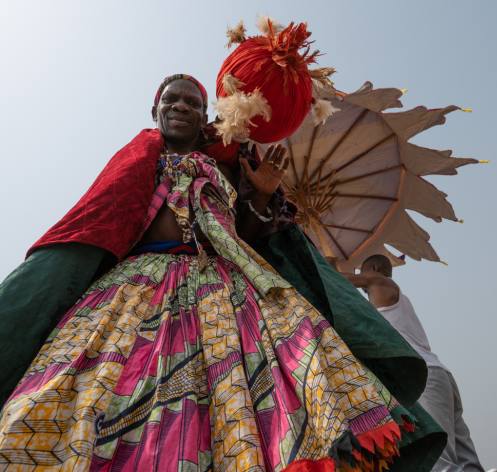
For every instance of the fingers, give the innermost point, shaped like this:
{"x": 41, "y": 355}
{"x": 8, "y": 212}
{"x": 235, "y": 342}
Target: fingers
{"x": 254, "y": 153}
{"x": 279, "y": 155}
{"x": 269, "y": 154}
{"x": 276, "y": 156}
{"x": 285, "y": 165}
{"x": 246, "y": 166}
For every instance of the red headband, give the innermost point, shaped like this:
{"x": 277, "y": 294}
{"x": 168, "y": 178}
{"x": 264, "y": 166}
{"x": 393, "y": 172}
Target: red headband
{"x": 172, "y": 78}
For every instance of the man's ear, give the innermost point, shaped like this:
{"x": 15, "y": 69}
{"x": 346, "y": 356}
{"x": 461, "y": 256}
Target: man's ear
{"x": 154, "y": 113}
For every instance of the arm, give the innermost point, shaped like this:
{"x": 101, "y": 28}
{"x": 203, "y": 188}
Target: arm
{"x": 359, "y": 280}
{"x": 368, "y": 279}
{"x": 382, "y": 291}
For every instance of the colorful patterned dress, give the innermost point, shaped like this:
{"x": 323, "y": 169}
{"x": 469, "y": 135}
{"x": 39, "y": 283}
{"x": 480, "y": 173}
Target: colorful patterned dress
{"x": 168, "y": 364}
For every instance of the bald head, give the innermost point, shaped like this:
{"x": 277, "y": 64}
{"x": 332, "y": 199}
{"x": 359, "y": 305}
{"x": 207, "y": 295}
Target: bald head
{"x": 377, "y": 263}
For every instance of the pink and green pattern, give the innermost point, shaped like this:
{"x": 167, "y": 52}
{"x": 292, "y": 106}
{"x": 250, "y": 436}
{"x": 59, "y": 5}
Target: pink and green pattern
{"x": 165, "y": 367}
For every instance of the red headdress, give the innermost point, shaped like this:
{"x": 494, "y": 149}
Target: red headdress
{"x": 264, "y": 87}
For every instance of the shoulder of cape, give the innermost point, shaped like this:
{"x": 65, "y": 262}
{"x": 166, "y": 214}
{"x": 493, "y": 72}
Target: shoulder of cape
{"x": 145, "y": 139}
{"x": 152, "y": 134}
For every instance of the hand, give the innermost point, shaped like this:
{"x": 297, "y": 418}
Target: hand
{"x": 267, "y": 177}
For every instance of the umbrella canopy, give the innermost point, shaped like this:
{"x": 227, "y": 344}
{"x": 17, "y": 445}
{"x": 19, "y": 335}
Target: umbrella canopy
{"x": 354, "y": 175}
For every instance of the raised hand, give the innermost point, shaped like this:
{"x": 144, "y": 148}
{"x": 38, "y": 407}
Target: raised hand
{"x": 267, "y": 177}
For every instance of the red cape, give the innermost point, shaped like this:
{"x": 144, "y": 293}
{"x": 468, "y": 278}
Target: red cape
{"x": 112, "y": 213}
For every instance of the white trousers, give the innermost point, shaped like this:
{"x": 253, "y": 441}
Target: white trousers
{"x": 442, "y": 401}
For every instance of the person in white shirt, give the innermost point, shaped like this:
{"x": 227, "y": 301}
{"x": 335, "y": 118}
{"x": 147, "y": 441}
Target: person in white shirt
{"x": 441, "y": 398}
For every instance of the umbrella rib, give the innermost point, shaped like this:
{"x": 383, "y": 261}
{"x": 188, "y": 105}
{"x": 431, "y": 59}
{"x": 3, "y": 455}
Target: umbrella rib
{"x": 368, "y": 174}
{"x": 340, "y": 141}
{"x": 349, "y": 228}
{"x": 292, "y": 158}
{"x": 358, "y": 195}
{"x": 362, "y": 154}
{"x": 316, "y": 198}
{"x": 325, "y": 203}
{"x": 325, "y": 196}
{"x": 335, "y": 242}
{"x": 332, "y": 196}
{"x": 307, "y": 158}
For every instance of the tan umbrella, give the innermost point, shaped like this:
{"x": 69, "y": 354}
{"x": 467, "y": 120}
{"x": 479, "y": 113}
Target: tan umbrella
{"x": 354, "y": 175}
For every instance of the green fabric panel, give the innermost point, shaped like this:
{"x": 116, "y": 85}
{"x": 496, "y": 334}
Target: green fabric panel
{"x": 369, "y": 336}
{"x": 32, "y": 300}
{"x": 421, "y": 448}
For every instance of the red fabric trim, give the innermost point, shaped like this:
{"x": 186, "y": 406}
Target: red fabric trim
{"x": 305, "y": 465}
{"x": 381, "y": 442}
{"x": 379, "y": 437}
{"x": 408, "y": 426}
{"x": 111, "y": 214}
{"x": 171, "y": 78}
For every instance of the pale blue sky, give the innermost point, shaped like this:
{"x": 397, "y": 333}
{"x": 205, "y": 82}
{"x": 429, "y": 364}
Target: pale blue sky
{"x": 78, "y": 78}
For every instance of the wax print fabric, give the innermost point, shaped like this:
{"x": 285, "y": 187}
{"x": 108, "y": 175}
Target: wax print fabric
{"x": 167, "y": 366}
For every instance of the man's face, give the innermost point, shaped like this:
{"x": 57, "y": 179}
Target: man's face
{"x": 180, "y": 112}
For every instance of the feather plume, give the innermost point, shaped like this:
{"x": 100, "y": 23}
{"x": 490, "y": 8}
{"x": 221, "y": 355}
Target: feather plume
{"x": 231, "y": 84}
{"x": 322, "y": 110}
{"x": 265, "y": 24}
{"x": 236, "y": 35}
{"x": 322, "y": 75}
{"x": 322, "y": 72}
{"x": 235, "y": 113}
{"x": 323, "y": 90}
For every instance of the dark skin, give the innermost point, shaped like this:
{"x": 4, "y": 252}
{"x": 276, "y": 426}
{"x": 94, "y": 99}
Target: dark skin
{"x": 381, "y": 289}
{"x": 180, "y": 117}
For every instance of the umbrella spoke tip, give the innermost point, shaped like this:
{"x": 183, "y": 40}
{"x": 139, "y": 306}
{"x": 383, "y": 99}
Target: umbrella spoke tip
{"x": 404, "y": 90}
{"x": 483, "y": 161}
{"x": 466, "y": 110}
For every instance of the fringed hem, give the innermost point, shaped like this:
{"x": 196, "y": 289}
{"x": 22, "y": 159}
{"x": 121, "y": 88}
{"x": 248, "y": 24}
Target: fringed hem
{"x": 372, "y": 451}
{"x": 378, "y": 449}
{"x": 408, "y": 424}
{"x": 307, "y": 465}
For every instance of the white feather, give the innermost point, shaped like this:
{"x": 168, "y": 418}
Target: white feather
{"x": 235, "y": 113}
{"x": 263, "y": 25}
{"x": 322, "y": 110}
{"x": 236, "y": 35}
{"x": 231, "y": 84}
